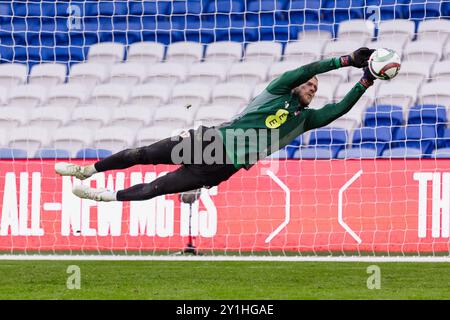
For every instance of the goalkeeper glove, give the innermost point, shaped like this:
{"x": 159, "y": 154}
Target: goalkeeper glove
{"x": 367, "y": 78}
{"x": 358, "y": 58}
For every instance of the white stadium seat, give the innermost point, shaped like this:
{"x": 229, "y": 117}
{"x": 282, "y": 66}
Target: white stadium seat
{"x": 106, "y": 52}
{"x": 366, "y": 99}
{"x": 92, "y": 117}
{"x": 446, "y": 53}
{"x": 348, "y": 121}
{"x": 414, "y": 72}
{"x": 337, "y": 76}
{"x": 263, "y": 51}
{"x": 340, "y": 48}
{"x": 4, "y": 91}
{"x": 13, "y": 74}
{"x": 71, "y": 138}
{"x": 184, "y": 52}
{"x": 114, "y": 138}
{"x": 259, "y": 88}
{"x": 399, "y": 93}
{"x": 358, "y": 29}
{"x": 67, "y": 95}
{"x": 174, "y": 116}
{"x": 435, "y": 93}
{"x": 128, "y": 74}
{"x": 427, "y": 51}
{"x": 324, "y": 95}
{"x": 28, "y": 138}
{"x": 27, "y": 96}
{"x": 109, "y": 95}
{"x": 145, "y": 52}
{"x": 441, "y": 71}
{"x": 395, "y": 45}
{"x": 167, "y": 73}
{"x": 48, "y": 74}
{"x": 319, "y": 36}
{"x": 49, "y": 117}
{"x": 11, "y": 117}
{"x": 214, "y": 115}
{"x": 150, "y": 135}
{"x": 278, "y": 68}
{"x": 304, "y": 51}
{"x": 231, "y": 93}
{"x": 132, "y": 116}
{"x": 434, "y": 29}
{"x": 150, "y": 94}
{"x": 252, "y": 72}
{"x": 224, "y": 52}
{"x": 399, "y": 30}
{"x": 88, "y": 74}
{"x": 206, "y": 72}
{"x": 195, "y": 94}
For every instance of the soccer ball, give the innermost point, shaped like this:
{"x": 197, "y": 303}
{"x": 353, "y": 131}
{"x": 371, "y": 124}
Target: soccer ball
{"x": 384, "y": 63}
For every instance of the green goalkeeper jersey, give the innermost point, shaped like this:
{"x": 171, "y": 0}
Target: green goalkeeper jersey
{"x": 275, "y": 117}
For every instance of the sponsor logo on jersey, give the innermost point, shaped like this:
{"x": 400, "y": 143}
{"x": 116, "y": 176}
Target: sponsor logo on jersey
{"x": 275, "y": 120}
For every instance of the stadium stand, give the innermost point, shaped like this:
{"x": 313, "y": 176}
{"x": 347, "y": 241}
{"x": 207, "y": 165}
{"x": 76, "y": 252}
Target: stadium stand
{"x": 134, "y": 66}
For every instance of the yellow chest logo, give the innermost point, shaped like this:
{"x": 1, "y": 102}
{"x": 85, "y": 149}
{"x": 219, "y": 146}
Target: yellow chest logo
{"x": 276, "y": 120}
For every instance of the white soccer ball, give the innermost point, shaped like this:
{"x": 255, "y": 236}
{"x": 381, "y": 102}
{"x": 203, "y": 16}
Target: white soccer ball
{"x": 384, "y": 63}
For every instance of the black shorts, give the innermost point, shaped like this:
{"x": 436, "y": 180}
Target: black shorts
{"x": 209, "y": 174}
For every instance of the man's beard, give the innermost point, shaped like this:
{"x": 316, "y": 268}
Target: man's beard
{"x": 302, "y": 105}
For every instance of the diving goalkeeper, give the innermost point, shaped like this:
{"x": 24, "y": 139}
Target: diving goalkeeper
{"x": 211, "y": 155}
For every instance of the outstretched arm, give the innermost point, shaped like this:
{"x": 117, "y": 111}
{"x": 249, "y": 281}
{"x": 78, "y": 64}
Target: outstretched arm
{"x": 293, "y": 78}
{"x": 332, "y": 111}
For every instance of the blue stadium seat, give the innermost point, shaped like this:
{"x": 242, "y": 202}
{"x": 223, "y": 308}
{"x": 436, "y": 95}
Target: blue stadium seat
{"x": 429, "y": 114}
{"x": 420, "y": 9}
{"x": 146, "y": 8}
{"x": 265, "y": 12}
{"x": 52, "y": 154}
{"x": 185, "y": 13}
{"x": 423, "y": 137}
{"x": 444, "y": 139}
{"x": 303, "y": 11}
{"x": 210, "y": 31}
{"x": 313, "y": 153}
{"x": 32, "y": 54}
{"x": 357, "y": 153}
{"x": 383, "y": 115}
{"x": 69, "y": 54}
{"x": 445, "y": 8}
{"x": 9, "y": 153}
{"x": 335, "y": 11}
{"x": 406, "y": 152}
{"x": 90, "y": 153}
{"x": 377, "y": 138}
{"x": 224, "y": 10}
{"x": 6, "y": 53}
{"x": 386, "y": 9}
{"x": 87, "y": 35}
{"x": 333, "y": 139}
{"x": 282, "y": 32}
{"x": 31, "y": 9}
{"x": 6, "y": 12}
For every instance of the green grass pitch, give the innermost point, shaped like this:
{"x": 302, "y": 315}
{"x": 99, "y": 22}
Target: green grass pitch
{"x": 203, "y": 280}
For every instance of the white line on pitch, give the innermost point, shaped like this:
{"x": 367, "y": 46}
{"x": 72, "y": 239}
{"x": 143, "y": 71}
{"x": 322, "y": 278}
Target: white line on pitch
{"x": 370, "y": 259}
{"x": 287, "y": 206}
{"x": 340, "y": 219}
